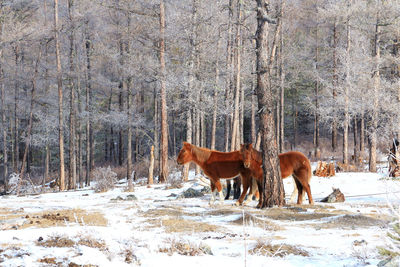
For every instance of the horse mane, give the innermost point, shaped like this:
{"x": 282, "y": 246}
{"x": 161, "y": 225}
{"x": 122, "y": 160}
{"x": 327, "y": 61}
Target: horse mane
{"x": 202, "y": 154}
{"x": 257, "y": 155}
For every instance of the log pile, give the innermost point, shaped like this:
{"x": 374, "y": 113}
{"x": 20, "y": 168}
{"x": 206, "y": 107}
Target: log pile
{"x": 341, "y": 167}
{"x": 394, "y": 160}
{"x": 325, "y": 169}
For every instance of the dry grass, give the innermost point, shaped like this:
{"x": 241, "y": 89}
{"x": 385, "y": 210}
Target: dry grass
{"x": 351, "y": 222}
{"x": 182, "y": 225}
{"x": 50, "y": 219}
{"x": 186, "y": 248}
{"x": 267, "y": 249}
{"x": 263, "y": 223}
{"x": 64, "y": 241}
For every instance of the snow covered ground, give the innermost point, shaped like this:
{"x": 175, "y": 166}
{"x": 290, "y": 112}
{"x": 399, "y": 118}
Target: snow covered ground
{"x": 159, "y": 228}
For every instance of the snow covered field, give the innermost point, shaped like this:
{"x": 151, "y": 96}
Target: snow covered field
{"x": 162, "y": 229}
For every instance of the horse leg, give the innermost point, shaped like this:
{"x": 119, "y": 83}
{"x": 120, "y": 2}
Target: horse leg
{"x": 261, "y": 193}
{"x": 246, "y": 183}
{"x": 228, "y": 189}
{"x": 236, "y": 188}
{"x": 295, "y": 191}
{"x": 253, "y": 190}
{"x": 219, "y": 189}
{"x": 299, "y": 190}
{"x": 212, "y": 185}
{"x": 303, "y": 179}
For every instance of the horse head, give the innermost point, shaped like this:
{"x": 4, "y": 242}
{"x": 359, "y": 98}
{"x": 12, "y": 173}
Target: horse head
{"x": 245, "y": 151}
{"x": 185, "y": 155}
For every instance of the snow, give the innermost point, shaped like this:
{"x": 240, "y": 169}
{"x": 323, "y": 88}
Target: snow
{"x": 132, "y": 230}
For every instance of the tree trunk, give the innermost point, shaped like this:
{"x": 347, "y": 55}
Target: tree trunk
{"x": 156, "y": 128}
{"x": 362, "y": 137}
{"x": 229, "y": 73}
{"x": 346, "y": 100}
{"x": 282, "y": 91}
{"x": 151, "y": 167}
{"x": 16, "y": 122}
{"x": 60, "y": 100}
{"x": 317, "y": 152}
{"x": 30, "y": 122}
{"x": 273, "y": 186}
{"x": 215, "y": 99}
{"x": 235, "y": 128}
{"x": 88, "y": 110}
{"x": 163, "y": 95}
{"x": 3, "y": 119}
{"x": 335, "y": 83}
{"x": 356, "y": 147}
{"x": 72, "y": 133}
{"x": 375, "y": 108}
{"x": 129, "y": 168}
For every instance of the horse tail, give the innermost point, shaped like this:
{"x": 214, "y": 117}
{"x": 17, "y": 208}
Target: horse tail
{"x": 309, "y": 171}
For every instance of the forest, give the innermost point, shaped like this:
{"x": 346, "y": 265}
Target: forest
{"x": 93, "y": 83}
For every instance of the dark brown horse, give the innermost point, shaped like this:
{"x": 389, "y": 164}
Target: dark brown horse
{"x": 291, "y": 163}
{"x": 216, "y": 165}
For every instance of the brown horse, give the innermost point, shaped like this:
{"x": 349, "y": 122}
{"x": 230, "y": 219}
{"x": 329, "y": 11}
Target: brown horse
{"x": 291, "y": 163}
{"x": 216, "y": 165}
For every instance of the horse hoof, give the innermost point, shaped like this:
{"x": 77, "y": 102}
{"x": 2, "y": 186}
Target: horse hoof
{"x": 237, "y": 204}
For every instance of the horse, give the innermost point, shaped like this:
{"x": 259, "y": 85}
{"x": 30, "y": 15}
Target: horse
{"x": 292, "y": 163}
{"x": 216, "y": 165}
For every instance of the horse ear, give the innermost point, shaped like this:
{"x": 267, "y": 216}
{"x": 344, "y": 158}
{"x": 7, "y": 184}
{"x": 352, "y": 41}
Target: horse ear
{"x": 186, "y": 144}
{"x": 250, "y": 146}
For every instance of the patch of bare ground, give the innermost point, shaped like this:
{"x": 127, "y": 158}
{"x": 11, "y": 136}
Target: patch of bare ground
{"x": 351, "y": 222}
{"x": 265, "y": 223}
{"x": 49, "y": 219}
{"x": 267, "y": 249}
{"x": 171, "y": 218}
{"x": 63, "y": 241}
{"x": 73, "y": 264}
{"x": 186, "y": 248}
{"x": 182, "y": 225}
{"x": 293, "y": 214}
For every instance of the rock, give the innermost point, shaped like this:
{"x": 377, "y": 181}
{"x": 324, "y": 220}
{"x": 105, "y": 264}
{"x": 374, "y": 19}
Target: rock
{"x": 391, "y": 262}
{"x": 335, "y": 196}
{"x": 191, "y": 193}
{"x": 131, "y": 197}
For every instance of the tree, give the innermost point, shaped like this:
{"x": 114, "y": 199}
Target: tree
{"x": 60, "y": 99}
{"x": 273, "y": 186}
{"x": 163, "y": 96}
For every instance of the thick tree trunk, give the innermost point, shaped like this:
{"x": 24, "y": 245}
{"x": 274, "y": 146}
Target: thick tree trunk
{"x": 273, "y": 187}
{"x": 163, "y": 95}
{"x": 60, "y": 100}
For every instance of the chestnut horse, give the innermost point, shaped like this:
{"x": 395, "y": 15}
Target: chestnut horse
{"x": 291, "y": 163}
{"x": 216, "y": 165}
